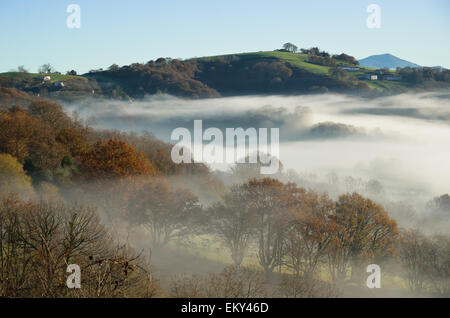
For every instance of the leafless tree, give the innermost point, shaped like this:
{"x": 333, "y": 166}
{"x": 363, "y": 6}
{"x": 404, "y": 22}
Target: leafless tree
{"x": 46, "y": 69}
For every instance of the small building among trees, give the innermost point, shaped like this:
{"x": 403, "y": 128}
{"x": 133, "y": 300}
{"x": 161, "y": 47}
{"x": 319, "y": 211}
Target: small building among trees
{"x": 45, "y": 78}
{"x": 372, "y": 77}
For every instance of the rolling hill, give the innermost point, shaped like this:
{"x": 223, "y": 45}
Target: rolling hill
{"x": 264, "y": 72}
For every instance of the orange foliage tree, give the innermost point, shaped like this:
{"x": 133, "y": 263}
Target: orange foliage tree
{"x": 115, "y": 159}
{"x": 270, "y": 200}
{"x": 364, "y": 233}
{"x": 22, "y": 136}
{"x": 13, "y": 178}
{"x": 113, "y": 170}
{"x": 310, "y": 233}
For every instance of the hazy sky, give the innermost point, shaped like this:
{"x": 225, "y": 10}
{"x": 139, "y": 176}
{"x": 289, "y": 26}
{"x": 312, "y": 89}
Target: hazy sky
{"x": 34, "y": 32}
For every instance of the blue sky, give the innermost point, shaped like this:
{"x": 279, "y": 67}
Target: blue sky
{"x": 34, "y": 32}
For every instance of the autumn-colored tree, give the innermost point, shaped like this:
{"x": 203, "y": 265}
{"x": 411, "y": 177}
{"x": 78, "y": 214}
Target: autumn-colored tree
{"x": 364, "y": 232}
{"x": 51, "y": 113}
{"x": 270, "y": 201}
{"x": 10, "y": 96}
{"x": 76, "y": 141}
{"x": 232, "y": 221}
{"x": 23, "y": 135}
{"x": 196, "y": 176}
{"x": 310, "y": 233}
{"x": 115, "y": 159}
{"x": 114, "y": 170}
{"x": 267, "y": 74}
{"x": 13, "y": 178}
{"x": 166, "y": 213}
{"x": 157, "y": 151}
{"x": 346, "y": 58}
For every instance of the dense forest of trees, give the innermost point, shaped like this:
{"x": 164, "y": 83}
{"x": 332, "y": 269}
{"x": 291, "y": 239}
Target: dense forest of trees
{"x": 211, "y": 78}
{"x": 67, "y": 191}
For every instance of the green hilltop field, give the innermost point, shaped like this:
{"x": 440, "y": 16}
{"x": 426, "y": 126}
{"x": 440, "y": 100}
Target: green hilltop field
{"x": 295, "y": 59}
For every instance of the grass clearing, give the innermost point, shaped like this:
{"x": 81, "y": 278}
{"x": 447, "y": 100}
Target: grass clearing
{"x": 295, "y": 59}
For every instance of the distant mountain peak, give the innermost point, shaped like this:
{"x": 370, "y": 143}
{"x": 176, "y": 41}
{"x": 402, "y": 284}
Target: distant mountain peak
{"x": 385, "y": 60}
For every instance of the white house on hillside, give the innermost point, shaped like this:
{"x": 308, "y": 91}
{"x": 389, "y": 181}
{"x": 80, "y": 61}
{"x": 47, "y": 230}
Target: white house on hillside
{"x": 372, "y": 77}
{"x": 45, "y": 78}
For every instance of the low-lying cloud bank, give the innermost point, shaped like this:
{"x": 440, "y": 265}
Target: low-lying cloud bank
{"x": 401, "y": 140}
{"x": 305, "y": 117}
{"x": 295, "y": 116}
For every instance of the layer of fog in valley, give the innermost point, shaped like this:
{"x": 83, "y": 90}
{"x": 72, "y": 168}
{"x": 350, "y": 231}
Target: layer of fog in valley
{"x": 399, "y": 141}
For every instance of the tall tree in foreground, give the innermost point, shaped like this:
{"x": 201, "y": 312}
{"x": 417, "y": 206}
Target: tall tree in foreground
{"x": 39, "y": 240}
{"x": 270, "y": 202}
{"x": 165, "y": 212}
{"x": 310, "y": 233}
{"x": 440, "y": 265}
{"x": 426, "y": 262}
{"x": 233, "y": 222}
{"x": 414, "y": 251}
{"x": 364, "y": 233}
